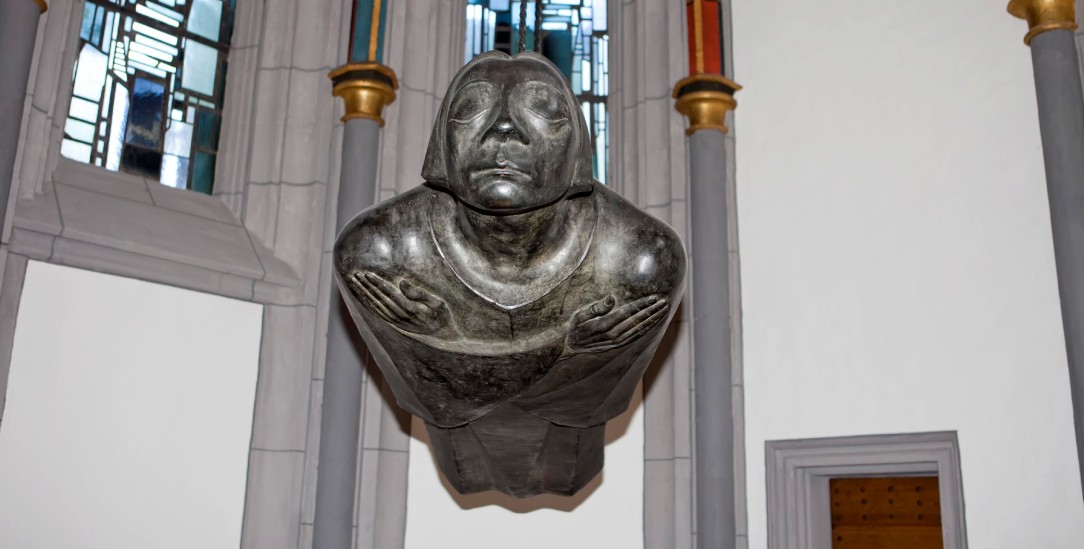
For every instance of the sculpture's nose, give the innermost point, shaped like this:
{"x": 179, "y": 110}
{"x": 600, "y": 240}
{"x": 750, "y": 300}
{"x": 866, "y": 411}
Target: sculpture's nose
{"x": 504, "y": 124}
{"x": 506, "y": 128}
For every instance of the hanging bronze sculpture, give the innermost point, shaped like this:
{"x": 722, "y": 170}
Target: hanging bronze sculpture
{"x": 511, "y": 301}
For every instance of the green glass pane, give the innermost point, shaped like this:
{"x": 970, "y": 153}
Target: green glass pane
{"x": 207, "y": 126}
{"x": 203, "y": 172}
{"x": 205, "y": 18}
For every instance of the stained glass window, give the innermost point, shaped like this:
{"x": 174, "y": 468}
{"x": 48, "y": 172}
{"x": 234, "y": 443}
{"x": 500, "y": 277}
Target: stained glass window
{"x": 574, "y": 36}
{"x": 147, "y": 89}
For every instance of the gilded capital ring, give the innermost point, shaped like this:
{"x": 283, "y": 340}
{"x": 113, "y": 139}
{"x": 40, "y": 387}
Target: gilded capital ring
{"x": 705, "y": 99}
{"x": 366, "y": 88}
{"x": 1044, "y": 15}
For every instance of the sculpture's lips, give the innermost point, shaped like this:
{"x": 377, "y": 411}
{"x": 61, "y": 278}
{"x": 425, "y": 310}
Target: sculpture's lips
{"x": 501, "y": 173}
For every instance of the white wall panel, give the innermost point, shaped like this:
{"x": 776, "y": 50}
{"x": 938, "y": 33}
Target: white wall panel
{"x": 897, "y": 264}
{"x": 128, "y": 416}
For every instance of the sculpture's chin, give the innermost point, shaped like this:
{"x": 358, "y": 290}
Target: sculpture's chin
{"x": 501, "y": 197}
{"x": 501, "y": 194}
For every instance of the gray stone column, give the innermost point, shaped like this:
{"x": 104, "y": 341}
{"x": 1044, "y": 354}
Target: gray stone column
{"x": 706, "y": 99}
{"x": 365, "y": 89}
{"x": 711, "y": 341}
{"x": 1061, "y": 124}
{"x": 18, "y": 31}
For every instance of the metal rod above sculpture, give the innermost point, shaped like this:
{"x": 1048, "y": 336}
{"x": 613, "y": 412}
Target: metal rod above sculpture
{"x": 512, "y": 301}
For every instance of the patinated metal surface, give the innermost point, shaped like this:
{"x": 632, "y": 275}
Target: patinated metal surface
{"x": 511, "y": 301}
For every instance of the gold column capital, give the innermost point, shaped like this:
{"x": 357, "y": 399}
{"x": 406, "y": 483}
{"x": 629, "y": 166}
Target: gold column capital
{"x": 366, "y": 88}
{"x": 1044, "y": 15}
{"x": 705, "y": 99}
{"x": 41, "y": 5}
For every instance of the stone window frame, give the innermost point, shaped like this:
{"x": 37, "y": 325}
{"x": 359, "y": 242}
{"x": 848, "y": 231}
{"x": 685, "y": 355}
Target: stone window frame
{"x": 798, "y": 471}
{"x": 263, "y": 236}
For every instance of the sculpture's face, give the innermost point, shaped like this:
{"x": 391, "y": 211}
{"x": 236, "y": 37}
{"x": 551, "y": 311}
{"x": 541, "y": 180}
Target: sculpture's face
{"x": 511, "y": 136}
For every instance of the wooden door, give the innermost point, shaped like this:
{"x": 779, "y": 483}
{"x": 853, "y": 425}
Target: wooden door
{"x": 886, "y": 513}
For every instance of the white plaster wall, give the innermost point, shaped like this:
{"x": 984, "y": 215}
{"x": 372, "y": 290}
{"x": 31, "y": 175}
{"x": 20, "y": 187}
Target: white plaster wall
{"x": 608, "y": 512}
{"x": 128, "y": 416}
{"x": 897, "y": 265}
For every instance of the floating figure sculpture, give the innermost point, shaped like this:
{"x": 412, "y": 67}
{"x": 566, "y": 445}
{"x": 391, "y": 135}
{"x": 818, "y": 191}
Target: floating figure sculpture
{"x": 512, "y": 302}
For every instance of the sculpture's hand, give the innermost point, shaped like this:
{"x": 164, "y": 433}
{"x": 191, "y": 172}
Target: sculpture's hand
{"x": 600, "y": 327}
{"x": 406, "y": 306}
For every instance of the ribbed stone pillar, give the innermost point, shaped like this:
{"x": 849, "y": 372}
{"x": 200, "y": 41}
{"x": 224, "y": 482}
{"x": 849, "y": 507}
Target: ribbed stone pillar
{"x": 365, "y": 88}
{"x": 18, "y": 31}
{"x": 647, "y": 166}
{"x": 1061, "y": 124}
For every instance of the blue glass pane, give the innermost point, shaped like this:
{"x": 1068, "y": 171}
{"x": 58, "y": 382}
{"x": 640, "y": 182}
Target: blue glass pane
{"x": 203, "y": 172}
{"x": 205, "y": 18}
{"x": 96, "y": 31}
{"x": 207, "y": 126}
{"x": 200, "y": 66}
{"x": 88, "y": 21}
{"x": 146, "y": 113}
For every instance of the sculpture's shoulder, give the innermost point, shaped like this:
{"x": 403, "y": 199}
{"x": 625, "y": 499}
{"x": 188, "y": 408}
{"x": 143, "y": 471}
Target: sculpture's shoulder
{"x": 387, "y": 235}
{"x": 637, "y": 248}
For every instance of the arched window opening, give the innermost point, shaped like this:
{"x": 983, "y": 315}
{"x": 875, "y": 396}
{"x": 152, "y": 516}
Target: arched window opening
{"x": 147, "y": 90}
{"x": 575, "y": 37}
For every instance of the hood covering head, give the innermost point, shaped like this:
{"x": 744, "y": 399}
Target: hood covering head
{"x": 435, "y": 169}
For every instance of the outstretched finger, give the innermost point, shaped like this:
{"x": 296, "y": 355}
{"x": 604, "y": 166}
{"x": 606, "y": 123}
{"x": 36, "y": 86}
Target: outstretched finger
{"x": 386, "y": 294}
{"x": 639, "y": 316}
{"x": 639, "y": 329}
{"x": 624, "y": 312}
{"x": 594, "y": 310}
{"x": 357, "y": 282}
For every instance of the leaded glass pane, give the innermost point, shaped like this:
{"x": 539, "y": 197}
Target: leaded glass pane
{"x": 574, "y": 37}
{"x": 174, "y": 171}
{"x": 206, "y": 18}
{"x": 79, "y": 130}
{"x": 200, "y": 67}
{"x": 147, "y": 90}
{"x": 90, "y": 73}
{"x": 75, "y": 150}
{"x": 179, "y": 139}
{"x": 203, "y": 171}
{"x": 145, "y": 115}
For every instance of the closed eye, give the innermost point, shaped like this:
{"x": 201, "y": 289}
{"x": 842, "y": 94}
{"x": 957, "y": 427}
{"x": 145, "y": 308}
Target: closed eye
{"x": 472, "y": 101}
{"x": 548, "y": 117}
